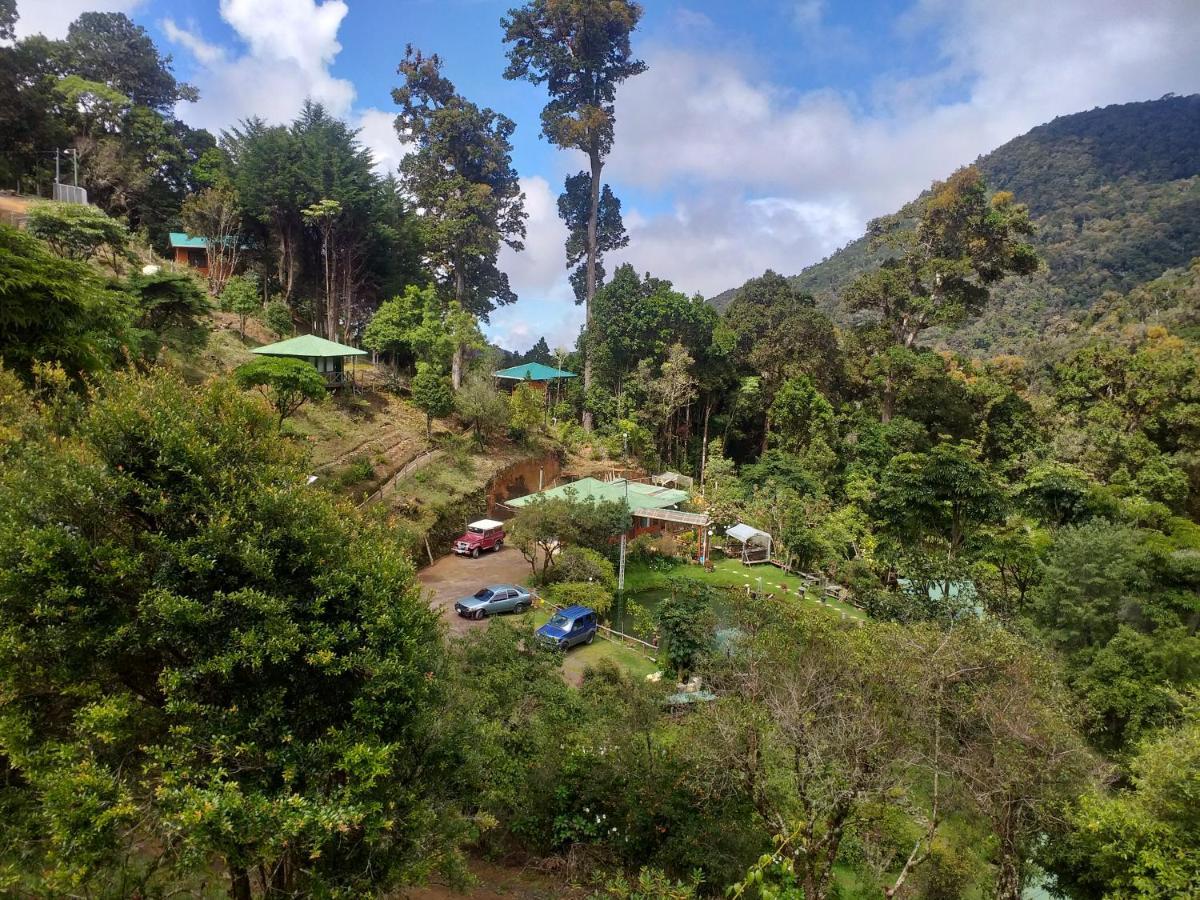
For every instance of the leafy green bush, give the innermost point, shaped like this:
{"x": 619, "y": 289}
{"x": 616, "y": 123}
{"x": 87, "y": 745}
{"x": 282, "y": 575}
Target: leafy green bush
{"x": 78, "y": 231}
{"x": 55, "y": 310}
{"x": 581, "y": 593}
{"x": 360, "y": 469}
{"x": 241, "y": 296}
{"x": 687, "y": 624}
{"x": 278, "y": 318}
{"x": 582, "y": 564}
{"x": 286, "y": 383}
{"x": 242, "y": 611}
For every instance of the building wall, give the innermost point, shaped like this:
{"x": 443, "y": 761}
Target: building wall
{"x": 192, "y": 258}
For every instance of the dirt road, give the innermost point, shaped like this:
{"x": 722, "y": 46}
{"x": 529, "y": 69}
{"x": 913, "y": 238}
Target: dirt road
{"x": 452, "y": 577}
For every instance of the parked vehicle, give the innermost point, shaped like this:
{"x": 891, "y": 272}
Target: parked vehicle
{"x": 486, "y": 534}
{"x": 569, "y": 627}
{"x": 494, "y": 599}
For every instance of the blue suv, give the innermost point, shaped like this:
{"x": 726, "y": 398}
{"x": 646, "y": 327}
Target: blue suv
{"x": 568, "y": 627}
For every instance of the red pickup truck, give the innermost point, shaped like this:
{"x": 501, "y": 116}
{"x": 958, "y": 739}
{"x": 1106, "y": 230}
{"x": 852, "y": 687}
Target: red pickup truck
{"x": 486, "y": 534}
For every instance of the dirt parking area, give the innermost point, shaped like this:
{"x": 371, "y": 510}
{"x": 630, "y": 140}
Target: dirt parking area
{"x": 453, "y": 577}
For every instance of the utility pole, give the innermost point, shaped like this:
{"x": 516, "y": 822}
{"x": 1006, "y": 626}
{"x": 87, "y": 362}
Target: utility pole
{"x": 621, "y": 567}
{"x": 57, "y": 153}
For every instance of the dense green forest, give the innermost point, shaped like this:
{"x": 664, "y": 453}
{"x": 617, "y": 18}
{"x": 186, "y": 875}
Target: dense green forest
{"x": 1113, "y": 208}
{"x": 220, "y": 679}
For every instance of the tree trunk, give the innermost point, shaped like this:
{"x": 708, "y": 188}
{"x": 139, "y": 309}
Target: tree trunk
{"x": 889, "y": 399}
{"x": 456, "y": 361}
{"x": 592, "y": 253}
{"x": 704, "y": 445}
{"x": 239, "y": 883}
{"x": 1008, "y": 878}
{"x": 330, "y": 275}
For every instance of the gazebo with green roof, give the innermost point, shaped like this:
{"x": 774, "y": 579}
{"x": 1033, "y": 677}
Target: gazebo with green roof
{"x": 327, "y": 357}
{"x": 534, "y": 371}
{"x": 537, "y": 375}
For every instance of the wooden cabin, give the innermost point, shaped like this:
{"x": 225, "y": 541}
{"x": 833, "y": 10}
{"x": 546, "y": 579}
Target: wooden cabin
{"x": 190, "y": 251}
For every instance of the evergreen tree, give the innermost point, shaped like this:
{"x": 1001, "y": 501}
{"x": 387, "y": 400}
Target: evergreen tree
{"x": 433, "y": 395}
{"x": 460, "y": 174}
{"x": 580, "y": 50}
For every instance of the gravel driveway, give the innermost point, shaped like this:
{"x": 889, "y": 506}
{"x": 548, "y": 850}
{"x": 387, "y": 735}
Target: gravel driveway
{"x": 453, "y": 577}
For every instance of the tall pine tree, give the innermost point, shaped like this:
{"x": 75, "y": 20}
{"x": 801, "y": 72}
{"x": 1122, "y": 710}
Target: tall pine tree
{"x": 580, "y": 50}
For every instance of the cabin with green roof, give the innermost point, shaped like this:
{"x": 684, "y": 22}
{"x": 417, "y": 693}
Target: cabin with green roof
{"x": 537, "y": 375}
{"x": 652, "y": 506}
{"x": 190, "y": 251}
{"x": 327, "y": 357}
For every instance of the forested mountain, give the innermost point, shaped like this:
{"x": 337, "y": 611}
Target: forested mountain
{"x": 968, "y": 665}
{"x": 1115, "y": 196}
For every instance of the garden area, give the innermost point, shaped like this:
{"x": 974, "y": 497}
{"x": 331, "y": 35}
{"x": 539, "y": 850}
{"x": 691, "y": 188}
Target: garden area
{"x": 648, "y": 581}
{"x": 578, "y": 659}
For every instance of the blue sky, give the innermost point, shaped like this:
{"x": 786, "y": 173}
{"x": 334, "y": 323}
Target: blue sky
{"x": 765, "y": 133}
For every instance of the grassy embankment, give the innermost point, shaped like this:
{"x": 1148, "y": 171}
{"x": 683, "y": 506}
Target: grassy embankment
{"x": 644, "y": 578}
{"x": 372, "y": 447}
{"x": 579, "y": 658}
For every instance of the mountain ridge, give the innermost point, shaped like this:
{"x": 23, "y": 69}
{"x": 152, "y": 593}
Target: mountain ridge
{"x": 1115, "y": 194}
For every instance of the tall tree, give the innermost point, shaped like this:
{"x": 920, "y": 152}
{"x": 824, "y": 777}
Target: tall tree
{"x": 539, "y": 353}
{"x": 324, "y": 216}
{"x": 942, "y": 265}
{"x": 933, "y": 505}
{"x": 265, "y": 162}
{"x": 580, "y": 50}
{"x": 109, "y": 48}
{"x": 461, "y": 176}
{"x": 214, "y": 215}
{"x": 8, "y": 19}
{"x": 575, "y": 209}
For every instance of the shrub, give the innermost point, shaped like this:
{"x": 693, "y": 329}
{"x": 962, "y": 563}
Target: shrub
{"x": 432, "y": 394}
{"x": 286, "y": 383}
{"x": 360, "y": 469}
{"x": 582, "y": 564}
{"x": 78, "y": 231}
{"x": 685, "y": 621}
{"x": 581, "y": 593}
{"x": 482, "y": 408}
{"x": 278, "y": 318}
{"x": 241, "y": 296}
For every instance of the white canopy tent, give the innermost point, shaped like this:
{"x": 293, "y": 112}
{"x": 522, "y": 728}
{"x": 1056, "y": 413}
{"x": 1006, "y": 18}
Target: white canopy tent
{"x": 756, "y": 544}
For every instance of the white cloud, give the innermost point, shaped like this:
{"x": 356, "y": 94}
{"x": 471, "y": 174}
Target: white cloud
{"x": 196, "y": 45}
{"x": 538, "y": 274}
{"x": 377, "y": 131}
{"x": 769, "y": 176}
{"x": 289, "y": 48}
{"x": 717, "y": 239}
{"x": 52, "y": 17}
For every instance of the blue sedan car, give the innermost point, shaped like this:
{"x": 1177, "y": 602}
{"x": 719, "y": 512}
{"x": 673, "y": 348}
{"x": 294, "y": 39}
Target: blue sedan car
{"x": 493, "y": 599}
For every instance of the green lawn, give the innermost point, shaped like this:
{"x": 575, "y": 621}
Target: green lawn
{"x": 641, "y": 577}
{"x": 579, "y": 658}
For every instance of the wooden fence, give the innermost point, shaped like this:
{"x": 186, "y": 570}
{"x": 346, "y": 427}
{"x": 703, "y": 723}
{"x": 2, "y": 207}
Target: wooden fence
{"x": 645, "y": 648}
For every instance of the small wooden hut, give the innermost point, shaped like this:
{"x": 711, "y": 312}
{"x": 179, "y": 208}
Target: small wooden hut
{"x": 327, "y": 357}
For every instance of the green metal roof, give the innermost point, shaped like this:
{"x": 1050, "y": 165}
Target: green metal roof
{"x": 179, "y": 239}
{"x": 308, "y": 345}
{"x": 534, "y": 372}
{"x": 639, "y": 496}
